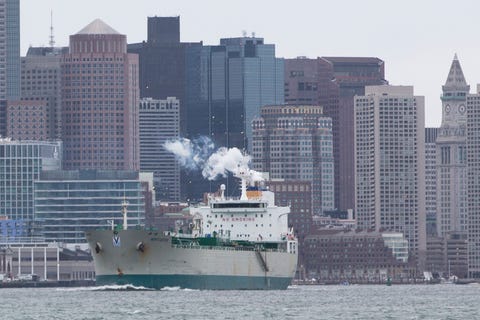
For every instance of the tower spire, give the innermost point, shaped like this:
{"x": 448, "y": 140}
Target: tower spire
{"x": 456, "y": 80}
{"x": 52, "y": 39}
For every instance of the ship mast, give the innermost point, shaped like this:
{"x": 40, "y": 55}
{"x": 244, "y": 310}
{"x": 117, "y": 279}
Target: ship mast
{"x": 124, "y": 213}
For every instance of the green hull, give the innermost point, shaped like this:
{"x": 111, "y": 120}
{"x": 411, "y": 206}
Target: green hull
{"x": 201, "y": 282}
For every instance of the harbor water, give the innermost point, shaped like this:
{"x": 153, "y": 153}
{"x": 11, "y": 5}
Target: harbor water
{"x": 442, "y": 301}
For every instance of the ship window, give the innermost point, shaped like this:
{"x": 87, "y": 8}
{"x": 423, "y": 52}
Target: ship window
{"x": 232, "y": 225}
{"x": 261, "y": 216}
{"x": 237, "y": 205}
{"x": 245, "y": 214}
{"x": 245, "y": 225}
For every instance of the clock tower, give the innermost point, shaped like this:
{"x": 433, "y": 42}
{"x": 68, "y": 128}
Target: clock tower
{"x": 451, "y": 156}
{"x": 454, "y": 97}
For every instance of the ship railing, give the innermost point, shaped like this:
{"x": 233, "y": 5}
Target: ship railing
{"x": 195, "y": 246}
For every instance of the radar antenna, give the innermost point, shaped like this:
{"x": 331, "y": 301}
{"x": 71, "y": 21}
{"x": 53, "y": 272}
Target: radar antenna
{"x": 52, "y": 38}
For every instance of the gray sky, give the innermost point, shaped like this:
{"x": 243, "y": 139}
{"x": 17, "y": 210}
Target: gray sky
{"x": 417, "y": 39}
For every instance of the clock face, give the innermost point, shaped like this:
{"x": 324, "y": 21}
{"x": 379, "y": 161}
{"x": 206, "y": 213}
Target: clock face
{"x": 461, "y": 109}
{"x": 447, "y": 108}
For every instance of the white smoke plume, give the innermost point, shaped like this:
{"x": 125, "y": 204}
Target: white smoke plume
{"x": 199, "y": 154}
{"x": 190, "y": 154}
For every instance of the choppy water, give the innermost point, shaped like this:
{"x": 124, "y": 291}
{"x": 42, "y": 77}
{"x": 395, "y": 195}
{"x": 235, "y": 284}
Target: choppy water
{"x": 302, "y": 302}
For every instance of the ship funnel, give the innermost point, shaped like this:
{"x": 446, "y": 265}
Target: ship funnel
{"x": 242, "y": 174}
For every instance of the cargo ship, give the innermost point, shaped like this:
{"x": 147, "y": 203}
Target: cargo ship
{"x": 241, "y": 243}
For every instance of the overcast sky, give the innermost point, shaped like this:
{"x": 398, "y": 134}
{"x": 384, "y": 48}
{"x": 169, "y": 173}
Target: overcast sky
{"x": 417, "y": 39}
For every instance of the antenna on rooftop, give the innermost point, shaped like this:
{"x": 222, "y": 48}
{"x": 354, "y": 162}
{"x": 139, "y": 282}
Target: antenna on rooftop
{"x": 52, "y": 39}
{"x": 244, "y": 33}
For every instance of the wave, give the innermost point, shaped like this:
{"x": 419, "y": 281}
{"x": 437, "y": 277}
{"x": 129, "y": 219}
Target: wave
{"x": 177, "y": 289}
{"x": 125, "y": 287}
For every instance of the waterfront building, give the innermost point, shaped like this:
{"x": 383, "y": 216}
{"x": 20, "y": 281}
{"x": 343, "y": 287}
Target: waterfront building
{"x": 67, "y": 203}
{"x": 435, "y": 260}
{"x": 9, "y": 57}
{"x": 456, "y": 250}
{"x": 396, "y": 241}
{"x": 431, "y": 181}
{"x": 333, "y": 223}
{"x": 41, "y": 83}
{"x": 473, "y": 183}
{"x": 295, "y": 143}
{"x": 333, "y": 256}
{"x": 296, "y": 194}
{"x": 45, "y": 261}
{"x": 389, "y": 164}
{"x": 100, "y": 101}
{"x": 452, "y": 154}
{"x": 448, "y": 255}
{"x": 159, "y": 121}
{"x": 21, "y": 163}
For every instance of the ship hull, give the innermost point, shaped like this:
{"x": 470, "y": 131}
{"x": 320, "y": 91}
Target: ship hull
{"x": 200, "y": 282}
{"x": 160, "y": 264}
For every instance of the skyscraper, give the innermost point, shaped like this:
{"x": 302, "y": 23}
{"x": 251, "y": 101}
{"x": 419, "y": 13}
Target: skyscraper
{"x": 41, "y": 80}
{"x": 431, "y": 181}
{"x": 9, "y": 56}
{"x": 100, "y": 101}
{"x": 473, "y": 183}
{"x": 351, "y": 74}
{"x": 295, "y": 143}
{"x": 10, "y": 50}
{"x": 389, "y": 163}
{"x": 160, "y": 121}
{"x": 162, "y": 61}
{"x": 452, "y": 154}
{"x": 226, "y": 85}
{"x": 312, "y": 82}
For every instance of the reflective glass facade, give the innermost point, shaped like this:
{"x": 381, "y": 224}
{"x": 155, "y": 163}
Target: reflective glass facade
{"x": 226, "y": 85}
{"x": 20, "y": 165}
{"x": 69, "y": 202}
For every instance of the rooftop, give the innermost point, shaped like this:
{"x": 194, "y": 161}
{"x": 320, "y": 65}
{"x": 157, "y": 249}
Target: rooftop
{"x": 97, "y": 26}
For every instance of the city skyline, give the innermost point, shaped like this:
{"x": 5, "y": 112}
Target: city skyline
{"x": 417, "y": 43}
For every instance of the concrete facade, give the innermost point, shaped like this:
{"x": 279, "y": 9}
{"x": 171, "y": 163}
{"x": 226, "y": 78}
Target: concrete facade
{"x": 100, "y": 99}
{"x": 295, "y": 143}
{"x": 390, "y": 164}
{"x": 159, "y": 121}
